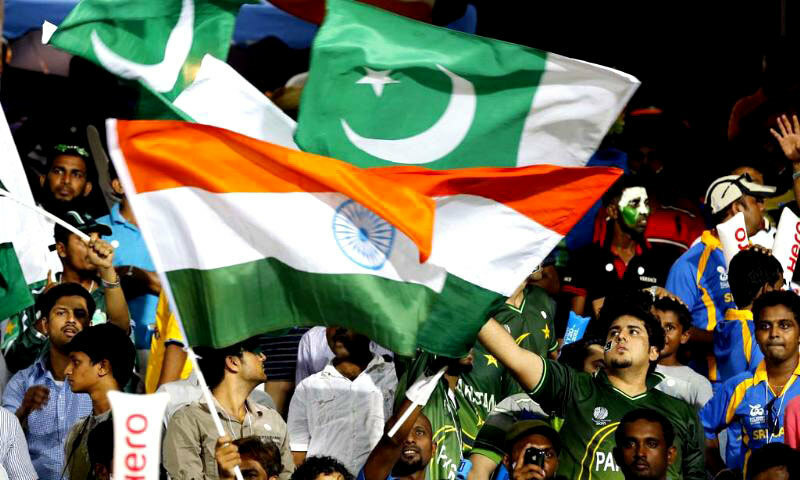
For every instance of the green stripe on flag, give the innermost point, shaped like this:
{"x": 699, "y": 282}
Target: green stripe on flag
{"x": 14, "y": 293}
{"x": 222, "y": 306}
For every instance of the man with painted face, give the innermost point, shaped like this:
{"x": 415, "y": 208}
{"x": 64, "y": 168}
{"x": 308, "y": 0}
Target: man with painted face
{"x": 592, "y": 405}
{"x": 700, "y": 278}
{"x": 620, "y": 260}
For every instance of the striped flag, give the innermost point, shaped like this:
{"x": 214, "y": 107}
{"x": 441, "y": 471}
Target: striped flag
{"x": 254, "y": 237}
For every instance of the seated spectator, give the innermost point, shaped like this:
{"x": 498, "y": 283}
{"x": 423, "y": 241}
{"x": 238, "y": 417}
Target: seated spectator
{"x": 529, "y": 315}
{"x": 752, "y": 273}
{"x": 101, "y": 361}
{"x": 258, "y": 459}
{"x": 623, "y": 259}
{"x": 792, "y": 423}
{"x": 407, "y": 454}
{"x": 490, "y": 444}
{"x": 681, "y": 381}
{"x": 700, "y": 278}
{"x": 88, "y": 265}
{"x": 191, "y": 438}
{"x": 321, "y": 468}
{"x": 589, "y": 404}
{"x": 101, "y": 449}
{"x": 68, "y": 179}
{"x": 532, "y": 449}
{"x": 44, "y": 403}
{"x": 14, "y": 459}
{"x": 774, "y": 461}
{"x": 644, "y": 445}
{"x": 314, "y": 352}
{"x": 755, "y": 401}
{"x": 351, "y": 398}
{"x": 132, "y": 261}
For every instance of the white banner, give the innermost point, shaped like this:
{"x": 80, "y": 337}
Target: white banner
{"x": 137, "y": 434}
{"x": 733, "y": 236}
{"x": 787, "y": 243}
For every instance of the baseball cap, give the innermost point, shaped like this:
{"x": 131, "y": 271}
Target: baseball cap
{"x": 45, "y": 301}
{"x": 527, "y": 427}
{"x": 726, "y": 190}
{"x": 83, "y": 222}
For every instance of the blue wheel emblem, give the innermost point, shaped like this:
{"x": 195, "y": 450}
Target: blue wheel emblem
{"x": 365, "y": 238}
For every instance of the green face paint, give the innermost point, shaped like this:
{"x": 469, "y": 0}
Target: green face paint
{"x": 630, "y": 216}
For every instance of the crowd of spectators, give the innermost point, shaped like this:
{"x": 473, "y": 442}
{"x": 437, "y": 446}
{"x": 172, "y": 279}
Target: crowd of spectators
{"x": 688, "y": 367}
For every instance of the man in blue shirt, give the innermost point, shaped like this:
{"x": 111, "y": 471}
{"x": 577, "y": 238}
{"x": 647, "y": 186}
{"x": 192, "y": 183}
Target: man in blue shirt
{"x": 755, "y": 401}
{"x": 134, "y": 267}
{"x": 699, "y": 277}
{"x": 41, "y": 399}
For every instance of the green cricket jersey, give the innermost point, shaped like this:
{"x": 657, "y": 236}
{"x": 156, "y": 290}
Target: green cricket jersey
{"x": 442, "y": 411}
{"x": 592, "y": 408}
{"x": 532, "y": 326}
{"x": 491, "y": 440}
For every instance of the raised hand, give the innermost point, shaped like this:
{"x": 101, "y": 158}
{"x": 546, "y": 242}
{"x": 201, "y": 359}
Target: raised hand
{"x": 788, "y": 136}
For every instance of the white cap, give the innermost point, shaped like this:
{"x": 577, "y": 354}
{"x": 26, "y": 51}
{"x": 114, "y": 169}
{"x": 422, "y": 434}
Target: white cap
{"x": 726, "y": 190}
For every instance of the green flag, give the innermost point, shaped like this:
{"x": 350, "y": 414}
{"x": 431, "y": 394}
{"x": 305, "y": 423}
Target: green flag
{"x": 384, "y": 89}
{"x": 158, "y": 43}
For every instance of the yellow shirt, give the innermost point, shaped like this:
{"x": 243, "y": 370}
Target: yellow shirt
{"x": 166, "y": 331}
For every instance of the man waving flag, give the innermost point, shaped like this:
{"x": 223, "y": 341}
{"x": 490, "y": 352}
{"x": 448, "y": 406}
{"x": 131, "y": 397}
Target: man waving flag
{"x": 254, "y": 237}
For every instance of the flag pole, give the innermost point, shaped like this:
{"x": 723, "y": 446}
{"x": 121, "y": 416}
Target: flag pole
{"x": 130, "y": 189}
{"x": 50, "y": 216}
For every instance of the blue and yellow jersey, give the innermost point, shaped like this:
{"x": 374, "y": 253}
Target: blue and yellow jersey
{"x": 699, "y": 278}
{"x": 735, "y": 347}
{"x": 748, "y": 401}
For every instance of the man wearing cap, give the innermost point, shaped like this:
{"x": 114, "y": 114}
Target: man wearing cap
{"x": 700, "y": 277}
{"x": 88, "y": 264}
{"x": 44, "y": 403}
{"x": 532, "y": 440}
{"x": 191, "y": 438}
{"x": 67, "y": 181}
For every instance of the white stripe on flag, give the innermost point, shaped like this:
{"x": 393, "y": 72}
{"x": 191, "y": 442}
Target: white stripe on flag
{"x": 202, "y": 230}
{"x": 574, "y": 105}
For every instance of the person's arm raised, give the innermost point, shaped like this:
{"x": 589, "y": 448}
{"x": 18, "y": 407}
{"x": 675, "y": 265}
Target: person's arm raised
{"x": 526, "y": 366}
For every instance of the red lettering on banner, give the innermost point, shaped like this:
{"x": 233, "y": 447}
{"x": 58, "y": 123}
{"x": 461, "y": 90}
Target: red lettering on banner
{"x": 795, "y": 249}
{"x": 132, "y": 477}
{"x": 130, "y": 428}
{"x": 130, "y": 462}
{"x": 792, "y": 263}
{"x": 741, "y": 236}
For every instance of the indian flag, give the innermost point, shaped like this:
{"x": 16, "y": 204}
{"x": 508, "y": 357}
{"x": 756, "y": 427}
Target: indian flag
{"x": 253, "y": 237}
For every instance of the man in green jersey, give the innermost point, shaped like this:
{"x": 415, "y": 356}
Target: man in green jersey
{"x": 440, "y": 410}
{"x": 644, "y": 445}
{"x": 528, "y": 316}
{"x": 592, "y": 405}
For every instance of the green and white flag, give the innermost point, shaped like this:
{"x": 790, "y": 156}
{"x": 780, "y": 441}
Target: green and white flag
{"x": 385, "y": 90}
{"x": 25, "y": 238}
{"x": 159, "y": 43}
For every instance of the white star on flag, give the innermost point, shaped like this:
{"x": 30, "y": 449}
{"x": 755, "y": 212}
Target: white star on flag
{"x": 377, "y": 78}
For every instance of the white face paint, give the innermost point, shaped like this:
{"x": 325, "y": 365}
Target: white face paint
{"x": 633, "y": 205}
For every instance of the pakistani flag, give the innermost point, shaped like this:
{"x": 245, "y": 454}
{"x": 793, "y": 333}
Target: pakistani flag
{"x": 159, "y": 43}
{"x": 385, "y": 90}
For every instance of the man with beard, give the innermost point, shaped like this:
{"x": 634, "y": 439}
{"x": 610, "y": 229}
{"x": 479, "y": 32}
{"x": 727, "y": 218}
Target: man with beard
{"x": 67, "y": 181}
{"x": 619, "y": 259}
{"x": 644, "y": 445}
{"x": 441, "y": 409}
{"x": 350, "y": 398}
{"x": 39, "y": 395}
{"x": 756, "y": 401}
{"x": 592, "y": 405}
{"x": 191, "y": 438}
